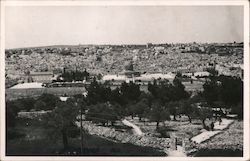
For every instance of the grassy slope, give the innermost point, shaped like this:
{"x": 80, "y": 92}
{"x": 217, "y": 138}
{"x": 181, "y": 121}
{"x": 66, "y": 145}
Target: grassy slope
{"x": 39, "y": 144}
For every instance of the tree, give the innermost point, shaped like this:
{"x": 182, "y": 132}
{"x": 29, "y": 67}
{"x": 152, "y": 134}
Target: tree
{"x": 25, "y": 103}
{"x": 211, "y": 91}
{"x": 188, "y": 109}
{"x": 179, "y": 90}
{"x": 116, "y": 97}
{"x": 166, "y": 92}
{"x": 197, "y": 98}
{"x": 173, "y": 108}
{"x": 153, "y": 88}
{"x": 130, "y": 110}
{"x": 142, "y": 107}
{"x": 224, "y": 91}
{"x": 158, "y": 113}
{"x": 98, "y": 93}
{"x": 61, "y": 120}
{"x": 161, "y": 91}
{"x": 47, "y": 100}
{"x": 80, "y": 102}
{"x": 118, "y": 110}
{"x": 102, "y": 113}
{"x": 139, "y": 108}
{"x": 238, "y": 109}
{"x": 130, "y": 91}
{"x": 75, "y": 76}
{"x": 231, "y": 90}
{"x": 204, "y": 113}
{"x": 11, "y": 113}
{"x": 40, "y": 105}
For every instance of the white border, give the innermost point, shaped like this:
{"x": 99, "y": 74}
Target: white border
{"x": 244, "y": 3}
{"x": 246, "y": 83}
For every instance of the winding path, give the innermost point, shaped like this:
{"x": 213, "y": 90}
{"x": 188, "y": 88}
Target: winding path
{"x": 136, "y": 130}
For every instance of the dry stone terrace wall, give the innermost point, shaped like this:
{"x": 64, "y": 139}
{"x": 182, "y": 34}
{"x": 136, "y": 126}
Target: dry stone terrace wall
{"x": 124, "y": 137}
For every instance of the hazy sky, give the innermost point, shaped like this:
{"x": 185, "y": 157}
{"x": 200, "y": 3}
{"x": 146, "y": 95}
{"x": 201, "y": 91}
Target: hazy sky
{"x": 71, "y": 25}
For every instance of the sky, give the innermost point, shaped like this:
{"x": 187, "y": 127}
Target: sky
{"x": 30, "y": 26}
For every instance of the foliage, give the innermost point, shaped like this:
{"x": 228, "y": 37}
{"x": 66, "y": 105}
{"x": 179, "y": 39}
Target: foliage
{"x": 204, "y": 113}
{"x": 118, "y": 110}
{"x": 225, "y": 90}
{"x": 158, "y": 113}
{"x": 238, "y": 109}
{"x": 166, "y": 92}
{"x": 130, "y": 91}
{"x": 61, "y": 119}
{"x": 211, "y": 91}
{"x": 179, "y": 90}
{"x": 173, "y": 108}
{"x": 94, "y": 146}
{"x": 49, "y": 100}
{"x": 103, "y": 113}
{"x": 189, "y": 109}
{"x": 13, "y": 134}
{"x": 25, "y": 104}
{"x": 231, "y": 90}
{"x": 11, "y": 113}
{"x": 116, "y": 96}
{"x": 75, "y": 76}
{"x": 40, "y": 105}
{"x": 140, "y": 108}
{"x": 98, "y": 93}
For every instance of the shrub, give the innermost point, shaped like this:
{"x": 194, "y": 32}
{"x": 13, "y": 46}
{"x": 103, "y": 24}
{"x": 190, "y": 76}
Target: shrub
{"x": 13, "y": 134}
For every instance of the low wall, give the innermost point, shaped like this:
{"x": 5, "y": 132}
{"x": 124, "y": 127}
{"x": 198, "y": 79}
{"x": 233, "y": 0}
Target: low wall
{"x": 124, "y": 137}
{"x": 32, "y": 115}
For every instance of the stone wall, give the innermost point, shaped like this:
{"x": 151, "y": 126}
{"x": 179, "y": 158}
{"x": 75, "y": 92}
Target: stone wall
{"x": 125, "y": 137}
{"x": 32, "y": 114}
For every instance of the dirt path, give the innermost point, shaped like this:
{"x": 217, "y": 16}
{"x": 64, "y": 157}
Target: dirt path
{"x": 136, "y": 129}
{"x": 176, "y": 153}
{"x": 218, "y": 128}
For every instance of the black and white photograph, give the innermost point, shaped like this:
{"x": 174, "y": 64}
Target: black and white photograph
{"x": 124, "y": 80}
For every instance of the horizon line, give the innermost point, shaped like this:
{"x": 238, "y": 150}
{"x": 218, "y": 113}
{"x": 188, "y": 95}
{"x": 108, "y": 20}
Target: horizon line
{"x": 122, "y": 44}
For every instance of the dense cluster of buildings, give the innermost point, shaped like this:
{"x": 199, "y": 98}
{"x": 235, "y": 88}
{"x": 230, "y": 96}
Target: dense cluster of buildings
{"x": 108, "y": 60}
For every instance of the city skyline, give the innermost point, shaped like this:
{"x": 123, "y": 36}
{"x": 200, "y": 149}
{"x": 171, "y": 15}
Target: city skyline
{"x": 32, "y": 26}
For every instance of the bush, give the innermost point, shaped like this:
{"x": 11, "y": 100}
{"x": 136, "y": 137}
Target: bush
{"x": 46, "y": 102}
{"x": 25, "y": 104}
{"x": 13, "y": 134}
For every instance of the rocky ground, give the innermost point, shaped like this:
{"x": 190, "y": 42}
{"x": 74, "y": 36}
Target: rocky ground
{"x": 231, "y": 138}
